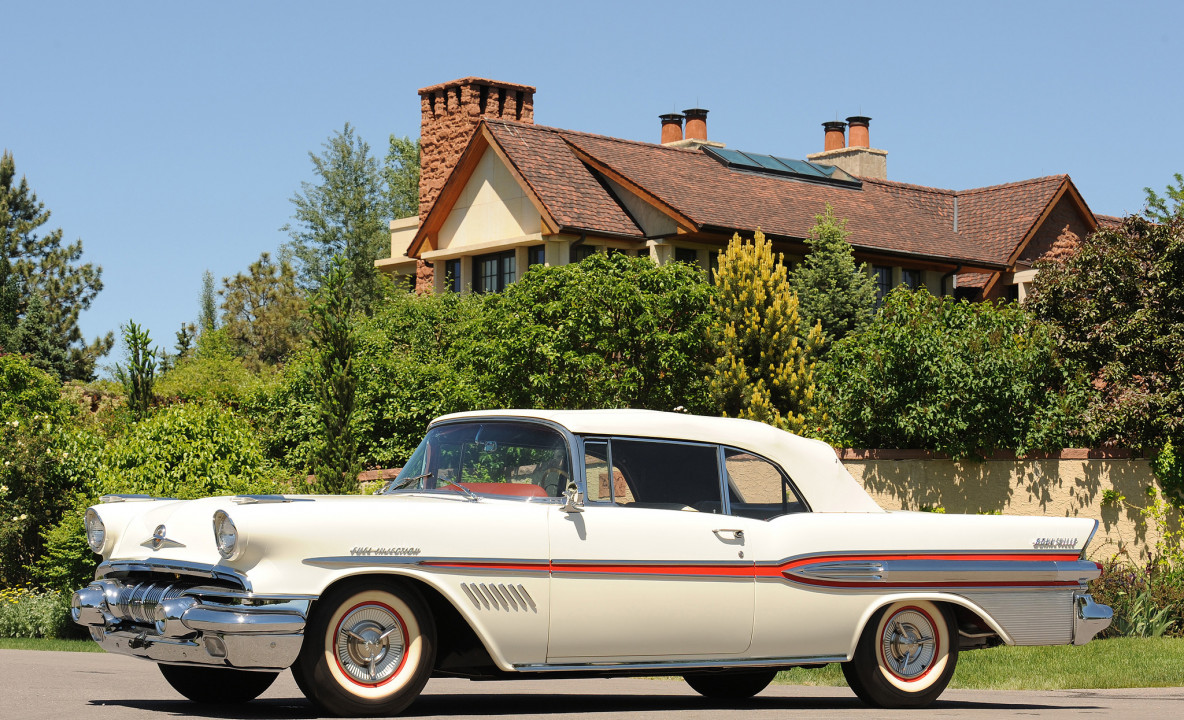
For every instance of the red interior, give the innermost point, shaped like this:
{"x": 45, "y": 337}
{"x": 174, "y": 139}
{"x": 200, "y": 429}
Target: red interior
{"x": 511, "y": 489}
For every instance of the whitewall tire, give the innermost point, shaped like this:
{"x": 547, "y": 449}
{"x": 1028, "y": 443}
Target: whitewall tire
{"x": 905, "y": 656}
{"x": 368, "y": 650}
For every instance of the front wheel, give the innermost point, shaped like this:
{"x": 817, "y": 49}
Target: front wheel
{"x": 368, "y": 649}
{"x": 217, "y": 686}
{"x": 730, "y": 684}
{"x": 905, "y": 657}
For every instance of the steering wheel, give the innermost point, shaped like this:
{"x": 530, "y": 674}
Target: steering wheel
{"x": 561, "y": 477}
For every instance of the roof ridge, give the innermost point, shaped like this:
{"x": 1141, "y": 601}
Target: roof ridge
{"x": 596, "y": 136}
{"x": 907, "y": 186}
{"x": 1031, "y": 181}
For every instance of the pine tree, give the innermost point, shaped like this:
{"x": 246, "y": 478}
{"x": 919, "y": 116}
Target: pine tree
{"x": 207, "y": 313}
{"x": 345, "y": 214}
{"x": 264, "y": 312}
{"x": 336, "y": 464}
{"x": 10, "y": 297}
{"x": 401, "y": 173}
{"x": 46, "y": 268}
{"x": 36, "y": 338}
{"x": 831, "y": 290}
{"x": 764, "y": 370}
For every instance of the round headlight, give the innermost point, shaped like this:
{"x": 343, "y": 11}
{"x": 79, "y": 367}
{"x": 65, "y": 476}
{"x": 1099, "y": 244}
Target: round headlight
{"x": 96, "y": 532}
{"x": 225, "y": 534}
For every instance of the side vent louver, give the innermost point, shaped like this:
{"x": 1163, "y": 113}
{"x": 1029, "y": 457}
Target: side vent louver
{"x": 511, "y": 598}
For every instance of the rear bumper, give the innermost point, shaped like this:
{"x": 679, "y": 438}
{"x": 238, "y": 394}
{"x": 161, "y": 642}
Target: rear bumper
{"x": 1089, "y": 618}
{"x": 198, "y": 625}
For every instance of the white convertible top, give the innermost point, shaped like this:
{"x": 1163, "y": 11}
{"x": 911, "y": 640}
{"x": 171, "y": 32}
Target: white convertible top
{"x": 812, "y": 464}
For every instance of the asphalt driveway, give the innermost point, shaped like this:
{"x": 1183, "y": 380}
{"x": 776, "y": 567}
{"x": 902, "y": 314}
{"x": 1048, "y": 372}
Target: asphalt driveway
{"x": 38, "y": 685}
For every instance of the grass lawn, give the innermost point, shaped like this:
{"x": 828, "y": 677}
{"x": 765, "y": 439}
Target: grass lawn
{"x": 49, "y": 644}
{"x": 1114, "y": 663}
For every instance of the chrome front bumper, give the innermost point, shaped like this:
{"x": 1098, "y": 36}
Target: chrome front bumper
{"x": 1089, "y": 618}
{"x": 177, "y": 623}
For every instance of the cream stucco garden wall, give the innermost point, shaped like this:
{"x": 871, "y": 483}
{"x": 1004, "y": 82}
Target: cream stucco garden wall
{"x": 1054, "y": 487}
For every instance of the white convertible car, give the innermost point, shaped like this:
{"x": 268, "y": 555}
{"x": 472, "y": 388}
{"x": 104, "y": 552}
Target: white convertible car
{"x": 524, "y": 543}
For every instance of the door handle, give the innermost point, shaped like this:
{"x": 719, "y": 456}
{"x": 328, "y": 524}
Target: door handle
{"x": 736, "y": 534}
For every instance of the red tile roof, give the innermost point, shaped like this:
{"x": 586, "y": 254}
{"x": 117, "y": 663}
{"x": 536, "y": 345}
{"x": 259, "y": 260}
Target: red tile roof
{"x": 881, "y": 216}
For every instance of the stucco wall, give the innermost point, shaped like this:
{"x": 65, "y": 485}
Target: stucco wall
{"x": 1054, "y": 487}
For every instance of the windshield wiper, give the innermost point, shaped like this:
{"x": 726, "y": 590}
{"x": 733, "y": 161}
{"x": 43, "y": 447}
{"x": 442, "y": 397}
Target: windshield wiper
{"x": 468, "y": 493}
{"x": 406, "y": 482}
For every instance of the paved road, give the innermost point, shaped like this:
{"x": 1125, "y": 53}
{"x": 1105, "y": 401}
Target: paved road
{"x": 52, "y": 685}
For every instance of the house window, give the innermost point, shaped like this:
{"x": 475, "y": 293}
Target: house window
{"x": 536, "y": 255}
{"x": 910, "y": 278}
{"x": 883, "y": 278}
{"x": 713, "y": 261}
{"x": 452, "y": 275}
{"x": 494, "y": 272}
{"x": 686, "y": 255}
{"x": 407, "y": 282}
{"x": 580, "y": 252}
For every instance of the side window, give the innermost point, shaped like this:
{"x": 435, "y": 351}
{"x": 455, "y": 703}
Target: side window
{"x": 673, "y": 476}
{"x": 757, "y": 488}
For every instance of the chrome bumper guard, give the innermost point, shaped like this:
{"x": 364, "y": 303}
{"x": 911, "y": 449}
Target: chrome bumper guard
{"x": 1089, "y": 618}
{"x": 168, "y": 622}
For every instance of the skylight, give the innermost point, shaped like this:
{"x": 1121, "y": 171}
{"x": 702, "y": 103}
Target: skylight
{"x": 783, "y": 167}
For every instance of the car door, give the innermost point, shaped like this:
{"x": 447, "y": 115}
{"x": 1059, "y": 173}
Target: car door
{"x": 650, "y": 568}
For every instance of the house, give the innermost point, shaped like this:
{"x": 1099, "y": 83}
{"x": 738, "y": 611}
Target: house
{"x": 499, "y": 193}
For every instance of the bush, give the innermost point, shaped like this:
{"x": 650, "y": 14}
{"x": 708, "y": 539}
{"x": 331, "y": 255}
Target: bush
{"x": 190, "y": 451}
{"x": 1148, "y": 601}
{"x": 43, "y": 463}
{"x": 29, "y": 613}
{"x": 953, "y": 377}
{"x": 610, "y": 331}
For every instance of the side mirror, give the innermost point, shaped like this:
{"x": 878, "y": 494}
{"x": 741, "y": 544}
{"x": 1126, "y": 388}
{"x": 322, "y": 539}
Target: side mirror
{"x": 572, "y": 499}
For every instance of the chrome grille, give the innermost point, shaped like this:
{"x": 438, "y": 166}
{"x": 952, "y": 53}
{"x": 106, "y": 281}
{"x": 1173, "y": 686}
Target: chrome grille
{"x": 513, "y": 598}
{"x": 137, "y": 603}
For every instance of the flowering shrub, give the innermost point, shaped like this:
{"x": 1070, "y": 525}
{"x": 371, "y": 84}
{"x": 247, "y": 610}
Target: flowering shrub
{"x": 29, "y": 613}
{"x": 1148, "y": 600}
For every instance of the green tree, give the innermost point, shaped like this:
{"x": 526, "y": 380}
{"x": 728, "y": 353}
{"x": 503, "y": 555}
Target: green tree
{"x": 343, "y": 215}
{"x": 831, "y": 289}
{"x": 139, "y": 375}
{"x": 611, "y": 331}
{"x": 336, "y": 464}
{"x": 36, "y": 338}
{"x": 401, "y": 174}
{"x": 263, "y": 312}
{"x": 46, "y": 268}
{"x": 1170, "y": 205}
{"x": 764, "y": 370}
{"x": 207, "y": 312}
{"x": 10, "y": 298}
{"x": 951, "y": 376}
{"x": 44, "y": 461}
{"x": 1117, "y": 307}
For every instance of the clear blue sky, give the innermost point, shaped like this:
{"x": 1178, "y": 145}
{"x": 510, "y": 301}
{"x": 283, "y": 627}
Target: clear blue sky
{"x": 169, "y": 137}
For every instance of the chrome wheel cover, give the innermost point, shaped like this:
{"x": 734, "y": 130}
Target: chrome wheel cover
{"x": 908, "y": 644}
{"x": 370, "y": 644}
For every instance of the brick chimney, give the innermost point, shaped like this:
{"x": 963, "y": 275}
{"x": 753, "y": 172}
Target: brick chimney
{"x": 857, "y": 158}
{"x": 449, "y": 114}
{"x": 671, "y": 127}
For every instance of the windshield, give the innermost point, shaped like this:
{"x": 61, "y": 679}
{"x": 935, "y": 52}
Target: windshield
{"x": 493, "y": 458}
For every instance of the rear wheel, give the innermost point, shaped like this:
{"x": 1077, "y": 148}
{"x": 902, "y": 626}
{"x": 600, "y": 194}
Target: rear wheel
{"x": 368, "y": 649}
{"x": 905, "y": 657}
{"x": 730, "y": 684}
{"x": 217, "y": 686}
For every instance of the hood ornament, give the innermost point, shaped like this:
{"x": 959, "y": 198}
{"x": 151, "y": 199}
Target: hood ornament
{"x": 160, "y": 540}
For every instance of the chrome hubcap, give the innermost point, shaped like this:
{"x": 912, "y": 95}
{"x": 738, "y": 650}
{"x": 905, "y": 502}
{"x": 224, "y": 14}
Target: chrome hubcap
{"x": 909, "y": 644}
{"x": 369, "y": 644}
